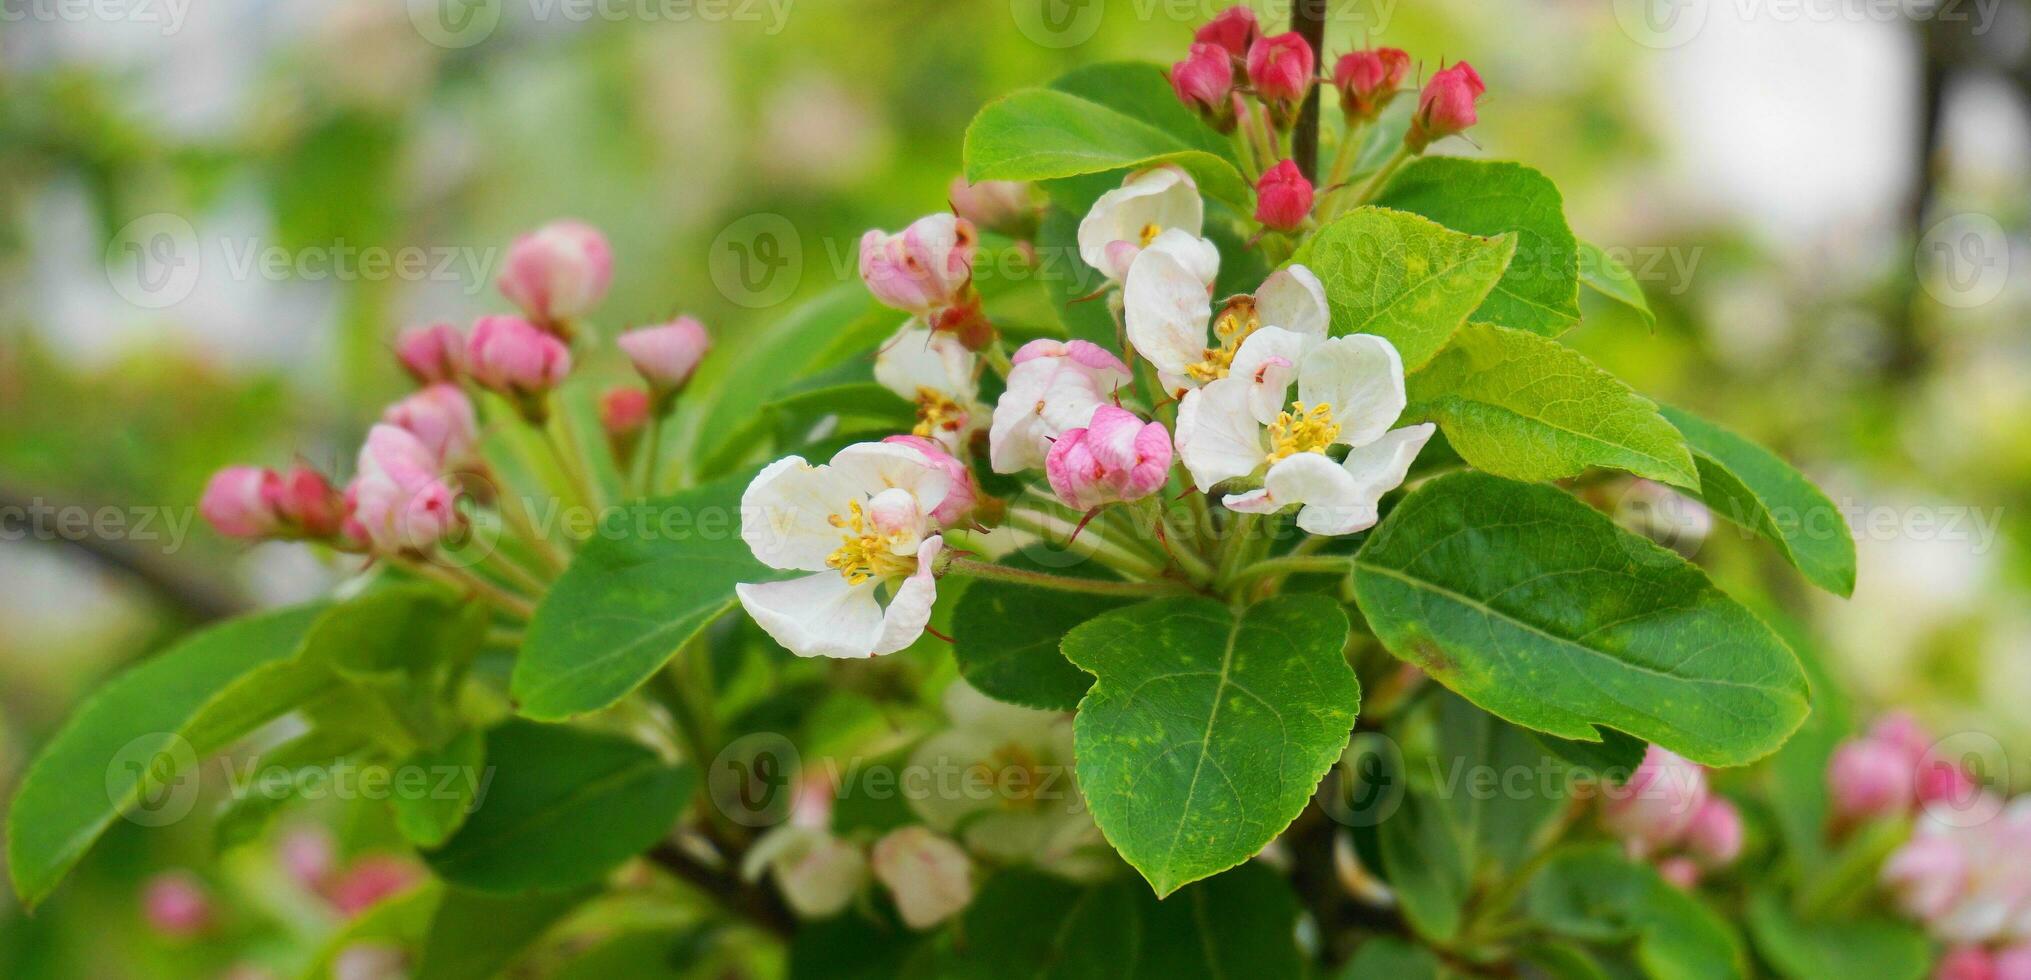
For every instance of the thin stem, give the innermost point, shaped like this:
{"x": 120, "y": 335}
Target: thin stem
{"x": 513, "y": 569}
{"x": 652, "y": 458}
{"x": 521, "y": 519}
{"x": 464, "y": 581}
{"x": 996, "y": 357}
{"x": 1374, "y": 184}
{"x": 594, "y": 488}
{"x": 568, "y": 462}
{"x": 1177, "y": 547}
{"x": 751, "y": 902}
{"x": 1292, "y": 565}
{"x": 1041, "y": 526}
{"x": 1062, "y": 583}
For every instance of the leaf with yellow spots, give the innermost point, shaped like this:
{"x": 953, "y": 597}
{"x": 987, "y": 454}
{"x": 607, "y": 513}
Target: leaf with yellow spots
{"x": 1404, "y": 278}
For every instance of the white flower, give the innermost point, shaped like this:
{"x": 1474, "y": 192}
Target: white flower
{"x": 1128, "y": 218}
{"x": 1350, "y": 391}
{"x": 859, "y": 523}
{"x": 930, "y": 877}
{"x": 937, "y": 373}
{"x": 1053, "y": 386}
{"x": 1166, "y": 306}
{"x": 817, "y": 872}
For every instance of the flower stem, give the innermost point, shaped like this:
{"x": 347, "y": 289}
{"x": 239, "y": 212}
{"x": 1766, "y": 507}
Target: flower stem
{"x": 512, "y": 569}
{"x": 1375, "y": 183}
{"x": 652, "y": 458}
{"x": 1110, "y": 553}
{"x": 996, "y": 357}
{"x": 568, "y": 461}
{"x": 1063, "y": 583}
{"x": 521, "y": 519}
{"x": 464, "y": 581}
{"x": 1293, "y": 565}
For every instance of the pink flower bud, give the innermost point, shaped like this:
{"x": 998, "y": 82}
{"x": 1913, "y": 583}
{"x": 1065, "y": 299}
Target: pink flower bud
{"x": 431, "y": 354}
{"x": 1966, "y": 963}
{"x": 1233, "y": 30}
{"x": 370, "y": 880}
{"x": 1368, "y": 80}
{"x": 306, "y": 853}
{"x": 1869, "y": 778}
{"x": 996, "y": 205}
{"x": 2014, "y": 962}
{"x": 1283, "y": 197}
{"x": 624, "y": 411}
{"x": 307, "y": 503}
{"x": 399, "y": 502}
{"x": 1446, "y": 106}
{"x": 922, "y": 269}
{"x": 1900, "y": 731}
{"x": 1944, "y": 782}
{"x": 511, "y": 357}
{"x": 176, "y": 905}
{"x": 1655, "y": 806}
{"x": 1203, "y": 82}
{"x": 1280, "y": 67}
{"x": 666, "y": 355}
{"x": 1927, "y": 876}
{"x": 1682, "y": 873}
{"x": 558, "y": 272}
{"x": 238, "y": 502}
{"x": 1715, "y": 837}
{"x": 960, "y": 495}
{"x": 1116, "y": 457}
{"x": 442, "y": 418}
{"x": 929, "y": 876}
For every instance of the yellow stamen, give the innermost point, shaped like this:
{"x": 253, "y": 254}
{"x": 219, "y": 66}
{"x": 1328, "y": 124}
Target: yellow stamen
{"x": 1150, "y": 232}
{"x": 867, "y": 553}
{"x": 937, "y": 412}
{"x": 1231, "y": 327}
{"x": 1302, "y": 430}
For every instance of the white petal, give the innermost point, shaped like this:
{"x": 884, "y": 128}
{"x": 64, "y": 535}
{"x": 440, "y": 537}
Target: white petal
{"x": 817, "y": 615}
{"x": 1045, "y": 397}
{"x": 1373, "y": 470}
{"x": 1218, "y": 437}
{"x": 910, "y": 610}
{"x": 786, "y": 512}
{"x": 1293, "y": 299}
{"x": 1268, "y": 361}
{"x": 1361, "y": 377}
{"x": 1161, "y": 196}
{"x": 1331, "y": 497}
{"x": 918, "y": 358}
{"x": 1199, "y": 256}
{"x": 871, "y": 467}
{"x": 1257, "y": 501}
{"x": 1166, "y": 308}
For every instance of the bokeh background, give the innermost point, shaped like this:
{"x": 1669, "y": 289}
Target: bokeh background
{"x": 1826, "y": 203}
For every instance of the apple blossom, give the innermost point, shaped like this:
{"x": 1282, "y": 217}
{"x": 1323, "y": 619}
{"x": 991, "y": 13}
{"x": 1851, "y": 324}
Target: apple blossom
{"x": 960, "y": 495}
{"x": 1715, "y": 835}
{"x": 1657, "y": 804}
{"x": 923, "y": 268}
{"x": 666, "y": 355}
{"x": 1115, "y": 457}
{"x": 1283, "y": 197}
{"x": 929, "y": 876}
{"x": 1203, "y": 81}
{"x": 1233, "y": 30}
{"x": 623, "y": 411}
{"x": 858, "y": 523}
{"x": 995, "y": 205}
{"x": 1053, "y": 386}
{"x": 1681, "y": 872}
{"x": 1125, "y": 220}
{"x": 1868, "y": 778}
{"x": 1280, "y": 67}
{"x": 1167, "y": 311}
{"x": 370, "y": 880}
{"x": 442, "y": 418}
{"x": 1367, "y": 80}
{"x": 1445, "y": 107}
{"x": 558, "y": 272}
{"x": 306, "y": 852}
{"x": 1965, "y": 963}
{"x": 934, "y": 371}
{"x": 176, "y": 904}
{"x": 1350, "y": 390}
{"x": 399, "y": 501}
{"x": 817, "y": 873}
{"x": 514, "y": 359}
{"x": 251, "y": 503}
{"x": 2014, "y": 962}
{"x": 431, "y": 354}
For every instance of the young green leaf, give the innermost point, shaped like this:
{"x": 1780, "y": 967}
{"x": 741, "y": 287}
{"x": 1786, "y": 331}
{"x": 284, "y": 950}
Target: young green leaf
{"x": 1397, "y": 959}
{"x": 428, "y": 811}
{"x": 655, "y": 574}
{"x": 1750, "y": 486}
{"x": 1877, "y": 947}
{"x": 474, "y": 935}
{"x": 1204, "y": 734}
{"x": 1540, "y": 610}
{"x": 1005, "y": 638}
{"x": 1402, "y": 277}
{"x": 1040, "y": 134}
{"x": 1422, "y": 859}
{"x": 1526, "y": 407}
{"x": 1594, "y": 894}
{"x": 1604, "y": 274}
{"x": 1540, "y": 290}
{"x": 564, "y": 807}
{"x": 134, "y": 743}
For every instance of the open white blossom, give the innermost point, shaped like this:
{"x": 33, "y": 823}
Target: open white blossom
{"x": 1350, "y": 391}
{"x": 1167, "y": 308}
{"x": 859, "y": 523}
{"x": 936, "y": 372}
{"x": 1128, "y": 218}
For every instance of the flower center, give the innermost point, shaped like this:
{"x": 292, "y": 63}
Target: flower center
{"x": 1230, "y": 328}
{"x": 867, "y": 553}
{"x": 1150, "y": 232}
{"x": 937, "y": 412}
{"x": 1302, "y": 430}
{"x": 1015, "y": 773}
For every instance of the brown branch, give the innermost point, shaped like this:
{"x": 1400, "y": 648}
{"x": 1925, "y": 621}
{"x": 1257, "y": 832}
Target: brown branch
{"x": 756, "y": 904}
{"x": 193, "y": 592}
{"x": 1308, "y": 18}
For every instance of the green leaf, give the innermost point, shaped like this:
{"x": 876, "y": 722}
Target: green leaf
{"x": 1540, "y": 291}
{"x": 655, "y": 574}
{"x": 1539, "y": 609}
{"x": 1529, "y": 408}
{"x": 1242, "y": 923}
{"x": 1603, "y": 274}
{"x": 1884, "y": 949}
{"x": 1750, "y": 486}
{"x": 133, "y": 743}
{"x": 1614, "y": 757}
{"x": 1593, "y": 894}
{"x": 1139, "y": 90}
{"x": 1421, "y": 858}
{"x": 1795, "y": 777}
{"x": 1496, "y": 781}
{"x": 565, "y": 806}
{"x": 474, "y": 935}
{"x": 1005, "y": 637}
{"x": 1402, "y": 277}
{"x": 1041, "y": 134}
{"x": 243, "y": 817}
{"x": 1397, "y": 959}
{"x": 853, "y": 946}
{"x": 429, "y": 813}
{"x": 1204, "y": 734}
